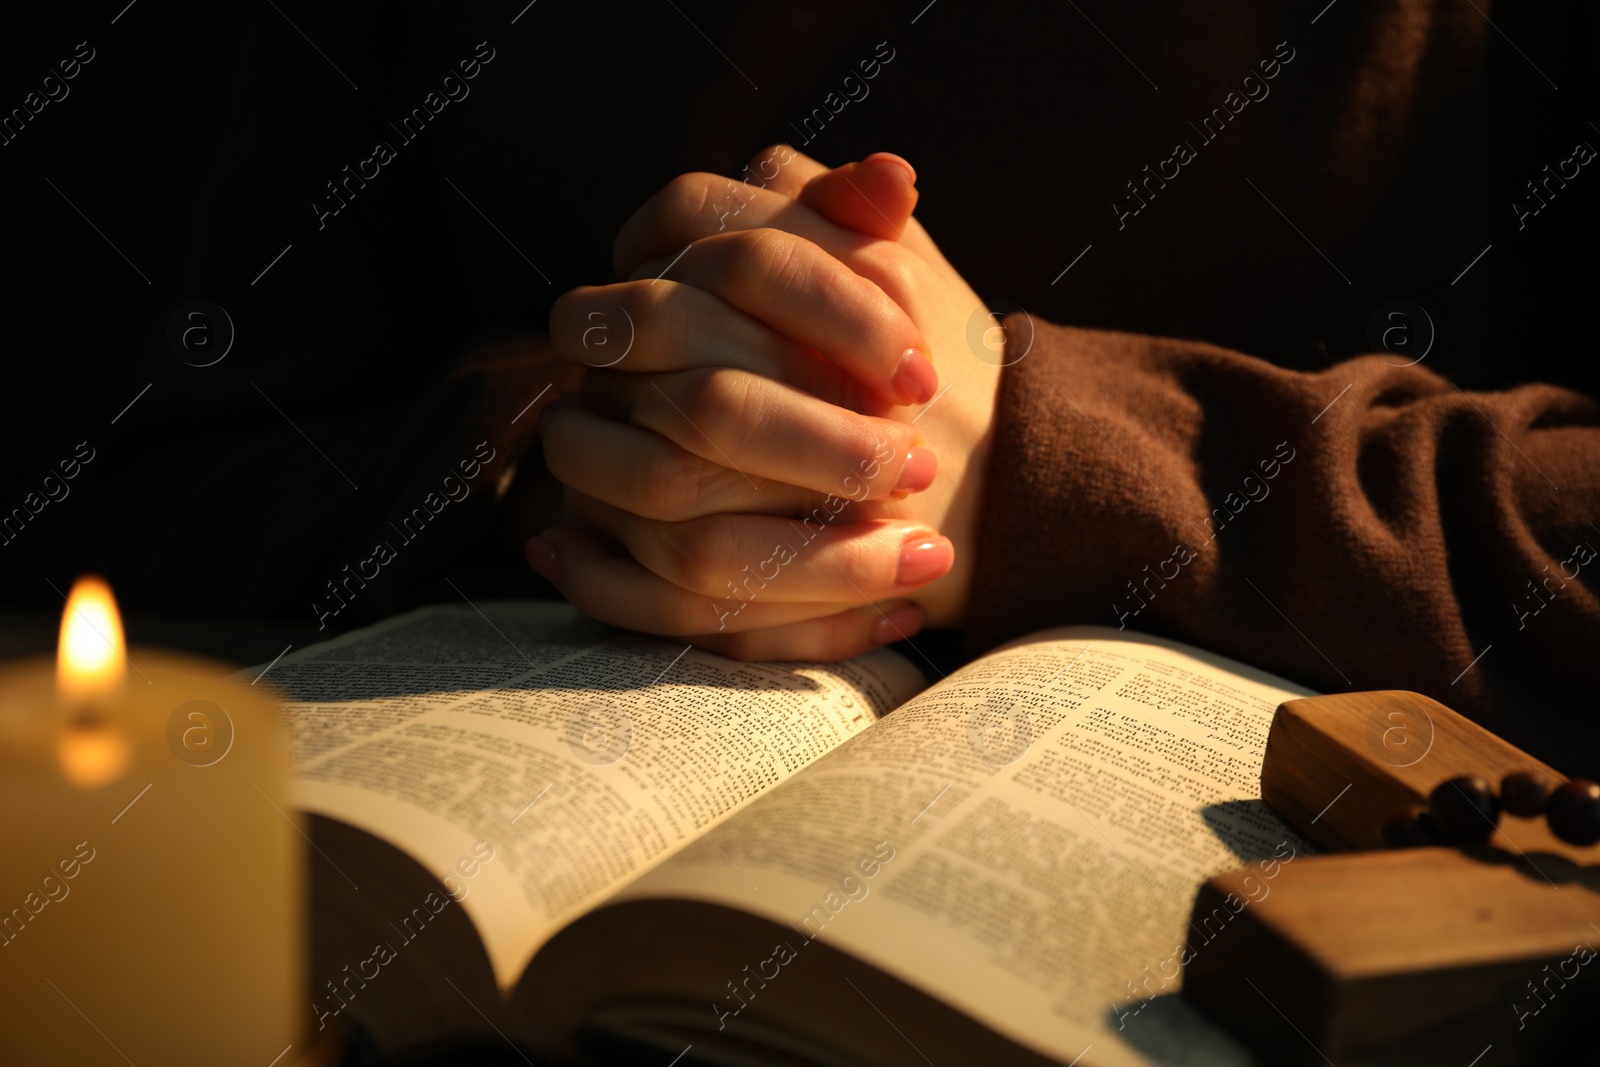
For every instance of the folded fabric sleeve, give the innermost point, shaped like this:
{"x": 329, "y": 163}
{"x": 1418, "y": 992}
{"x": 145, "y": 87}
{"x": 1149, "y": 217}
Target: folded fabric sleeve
{"x": 1370, "y": 526}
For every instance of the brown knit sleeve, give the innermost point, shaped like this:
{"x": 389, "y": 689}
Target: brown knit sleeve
{"x": 1371, "y": 526}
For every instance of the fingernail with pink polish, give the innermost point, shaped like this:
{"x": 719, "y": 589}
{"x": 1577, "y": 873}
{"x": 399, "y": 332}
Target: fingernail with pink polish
{"x": 922, "y": 559}
{"x": 918, "y": 473}
{"x": 890, "y": 157}
{"x": 898, "y": 624}
{"x": 542, "y": 558}
{"x": 915, "y": 380}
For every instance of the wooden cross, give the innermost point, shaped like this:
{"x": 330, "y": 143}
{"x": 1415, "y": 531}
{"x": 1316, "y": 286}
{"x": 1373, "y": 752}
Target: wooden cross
{"x": 1456, "y": 957}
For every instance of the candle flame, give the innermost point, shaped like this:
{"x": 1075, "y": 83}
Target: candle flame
{"x": 90, "y": 660}
{"x": 89, "y": 670}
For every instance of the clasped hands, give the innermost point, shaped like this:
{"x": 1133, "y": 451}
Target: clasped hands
{"x": 777, "y": 447}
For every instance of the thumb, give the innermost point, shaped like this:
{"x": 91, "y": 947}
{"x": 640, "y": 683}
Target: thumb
{"x": 875, "y": 196}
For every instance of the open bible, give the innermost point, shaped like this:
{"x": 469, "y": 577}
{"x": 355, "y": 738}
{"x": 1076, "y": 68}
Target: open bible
{"x": 533, "y": 829}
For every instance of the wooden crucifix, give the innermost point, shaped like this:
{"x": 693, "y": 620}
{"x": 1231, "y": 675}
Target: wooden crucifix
{"x": 1457, "y": 957}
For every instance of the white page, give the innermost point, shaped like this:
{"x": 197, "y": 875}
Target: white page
{"x": 1045, "y": 896}
{"x": 582, "y": 755}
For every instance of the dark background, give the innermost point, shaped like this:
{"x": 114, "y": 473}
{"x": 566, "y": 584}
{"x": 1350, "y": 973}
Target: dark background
{"x": 198, "y": 136}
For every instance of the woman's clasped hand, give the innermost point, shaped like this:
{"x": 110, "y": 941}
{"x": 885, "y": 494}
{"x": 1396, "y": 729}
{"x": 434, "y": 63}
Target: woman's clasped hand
{"x": 778, "y": 444}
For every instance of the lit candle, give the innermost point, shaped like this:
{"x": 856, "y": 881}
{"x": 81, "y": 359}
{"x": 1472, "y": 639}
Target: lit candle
{"x": 151, "y": 883}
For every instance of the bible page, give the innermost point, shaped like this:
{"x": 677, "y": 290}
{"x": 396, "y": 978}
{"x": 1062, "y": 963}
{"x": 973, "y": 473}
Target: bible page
{"x": 1022, "y": 841}
{"x": 580, "y": 755}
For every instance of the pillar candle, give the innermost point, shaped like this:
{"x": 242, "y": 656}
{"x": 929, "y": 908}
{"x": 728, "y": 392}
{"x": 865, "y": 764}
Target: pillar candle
{"x": 151, "y": 882}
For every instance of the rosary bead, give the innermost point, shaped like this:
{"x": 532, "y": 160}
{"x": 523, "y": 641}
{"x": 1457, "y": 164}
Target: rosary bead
{"x": 1525, "y": 794}
{"x": 1410, "y": 828}
{"x": 1465, "y": 810}
{"x": 1574, "y": 813}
